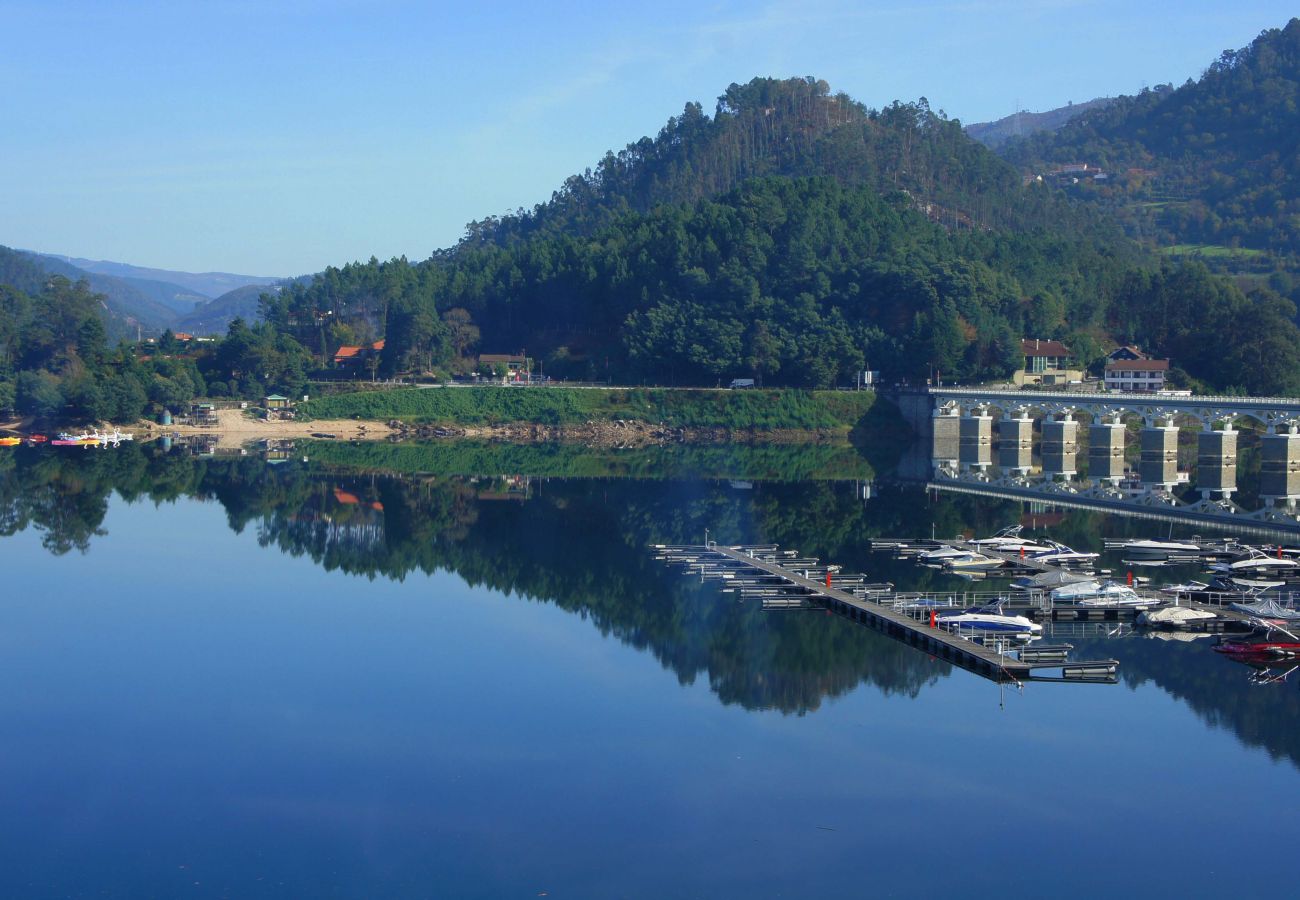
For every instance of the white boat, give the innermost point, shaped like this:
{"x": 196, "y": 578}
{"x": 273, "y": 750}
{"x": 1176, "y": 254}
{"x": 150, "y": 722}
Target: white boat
{"x": 1159, "y": 548}
{"x": 1187, "y": 587}
{"x": 1008, "y": 540}
{"x": 1254, "y": 563}
{"x": 989, "y": 619}
{"x": 1059, "y": 554}
{"x": 1099, "y": 593}
{"x": 969, "y": 559}
{"x": 940, "y": 554}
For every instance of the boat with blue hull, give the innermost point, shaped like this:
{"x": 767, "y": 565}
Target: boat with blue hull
{"x": 989, "y": 619}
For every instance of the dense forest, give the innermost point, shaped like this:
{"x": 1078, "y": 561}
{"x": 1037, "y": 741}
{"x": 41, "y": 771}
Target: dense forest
{"x": 799, "y": 282}
{"x": 1210, "y": 167}
{"x": 56, "y": 362}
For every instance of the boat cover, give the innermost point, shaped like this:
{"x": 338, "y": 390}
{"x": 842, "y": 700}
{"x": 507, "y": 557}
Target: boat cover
{"x": 1268, "y": 608}
{"x": 1053, "y": 579}
{"x": 1173, "y": 615}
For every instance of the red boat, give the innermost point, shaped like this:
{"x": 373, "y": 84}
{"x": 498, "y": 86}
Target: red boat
{"x": 37, "y": 438}
{"x": 1274, "y": 643}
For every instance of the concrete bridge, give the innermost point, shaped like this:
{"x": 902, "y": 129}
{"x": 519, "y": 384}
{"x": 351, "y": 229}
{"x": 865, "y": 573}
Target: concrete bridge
{"x": 961, "y": 423}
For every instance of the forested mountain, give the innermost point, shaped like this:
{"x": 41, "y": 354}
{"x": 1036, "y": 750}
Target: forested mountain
{"x": 1212, "y": 166}
{"x": 790, "y": 128}
{"x": 1019, "y": 124}
{"x": 913, "y": 249}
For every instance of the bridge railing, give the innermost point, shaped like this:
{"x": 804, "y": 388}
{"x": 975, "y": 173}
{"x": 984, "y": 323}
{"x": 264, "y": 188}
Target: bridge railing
{"x": 1125, "y": 396}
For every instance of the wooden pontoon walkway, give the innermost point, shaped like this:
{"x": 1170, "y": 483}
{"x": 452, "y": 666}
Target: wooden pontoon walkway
{"x": 938, "y": 642}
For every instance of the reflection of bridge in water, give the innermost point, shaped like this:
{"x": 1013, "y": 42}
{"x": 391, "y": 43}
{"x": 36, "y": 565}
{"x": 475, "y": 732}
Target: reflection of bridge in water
{"x": 964, "y": 422}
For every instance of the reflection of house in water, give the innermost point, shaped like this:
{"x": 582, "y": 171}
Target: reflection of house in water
{"x": 339, "y": 519}
{"x": 277, "y": 451}
{"x": 503, "y": 487}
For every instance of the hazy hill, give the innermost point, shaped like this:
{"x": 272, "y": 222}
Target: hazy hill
{"x": 1211, "y": 166}
{"x": 215, "y": 316}
{"x": 128, "y": 306}
{"x": 207, "y": 284}
{"x": 1020, "y": 124}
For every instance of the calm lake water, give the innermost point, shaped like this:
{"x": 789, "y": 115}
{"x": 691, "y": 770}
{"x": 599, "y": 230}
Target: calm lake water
{"x": 247, "y": 679}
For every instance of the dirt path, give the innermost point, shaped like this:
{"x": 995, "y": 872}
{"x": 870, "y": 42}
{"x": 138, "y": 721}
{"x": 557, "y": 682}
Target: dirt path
{"x": 234, "y": 429}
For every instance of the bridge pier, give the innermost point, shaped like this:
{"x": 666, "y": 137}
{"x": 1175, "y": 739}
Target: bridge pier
{"x": 1016, "y": 442}
{"x": 976, "y": 439}
{"x": 1216, "y": 461}
{"x": 1060, "y": 447}
{"x": 1159, "y": 462}
{"x": 1279, "y": 466}
{"x": 1106, "y": 450}
{"x": 945, "y": 431}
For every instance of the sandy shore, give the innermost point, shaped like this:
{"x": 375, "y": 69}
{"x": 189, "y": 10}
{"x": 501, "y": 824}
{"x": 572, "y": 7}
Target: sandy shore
{"x": 234, "y": 429}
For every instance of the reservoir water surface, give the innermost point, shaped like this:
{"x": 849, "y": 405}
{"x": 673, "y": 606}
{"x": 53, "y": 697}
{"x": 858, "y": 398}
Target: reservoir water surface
{"x": 256, "y": 678}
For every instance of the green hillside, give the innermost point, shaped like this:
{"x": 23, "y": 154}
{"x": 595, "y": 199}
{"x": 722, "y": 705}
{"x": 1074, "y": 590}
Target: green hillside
{"x": 1210, "y": 168}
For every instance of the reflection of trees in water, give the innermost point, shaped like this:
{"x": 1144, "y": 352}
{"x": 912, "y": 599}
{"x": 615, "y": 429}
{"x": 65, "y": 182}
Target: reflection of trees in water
{"x": 1218, "y": 690}
{"x": 582, "y": 545}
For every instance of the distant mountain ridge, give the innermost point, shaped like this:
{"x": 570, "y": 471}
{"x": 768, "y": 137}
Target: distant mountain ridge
{"x": 140, "y": 305}
{"x": 1020, "y": 124}
{"x": 207, "y": 284}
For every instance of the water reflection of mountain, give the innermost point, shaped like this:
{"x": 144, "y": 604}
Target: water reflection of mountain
{"x": 581, "y": 544}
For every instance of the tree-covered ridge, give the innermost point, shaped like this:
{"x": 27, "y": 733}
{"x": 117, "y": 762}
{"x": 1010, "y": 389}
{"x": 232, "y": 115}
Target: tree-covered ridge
{"x": 789, "y": 128}
{"x": 1215, "y": 161}
{"x": 793, "y": 281}
{"x": 56, "y": 362}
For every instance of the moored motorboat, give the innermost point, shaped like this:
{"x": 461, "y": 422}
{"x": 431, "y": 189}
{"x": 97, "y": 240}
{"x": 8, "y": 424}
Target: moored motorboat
{"x": 1158, "y": 549}
{"x": 970, "y": 560}
{"x": 1270, "y": 642}
{"x": 1059, "y": 554}
{"x": 1175, "y": 618}
{"x": 989, "y": 619}
{"x": 1269, "y": 610}
{"x": 939, "y": 554}
{"x": 1008, "y": 540}
{"x": 1256, "y": 563}
{"x": 1099, "y": 593}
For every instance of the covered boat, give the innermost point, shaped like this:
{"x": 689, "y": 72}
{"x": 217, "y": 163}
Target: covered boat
{"x": 1268, "y": 608}
{"x": 1175, "y": 618}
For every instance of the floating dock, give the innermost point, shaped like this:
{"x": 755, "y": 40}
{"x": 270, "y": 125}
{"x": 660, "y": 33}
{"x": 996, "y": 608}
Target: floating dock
{"x": 808, "y": 583}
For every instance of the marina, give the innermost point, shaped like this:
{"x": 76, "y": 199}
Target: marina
{"x": 798, "y": 582}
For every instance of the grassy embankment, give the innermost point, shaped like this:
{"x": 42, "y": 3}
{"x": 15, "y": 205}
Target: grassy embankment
{"x": 758, "y": 410}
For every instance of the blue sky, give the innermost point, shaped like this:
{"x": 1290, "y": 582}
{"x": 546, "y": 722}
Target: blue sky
{"x": 275, "y": 138}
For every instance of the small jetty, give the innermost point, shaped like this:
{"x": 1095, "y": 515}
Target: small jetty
{"x": 782, "y": 579}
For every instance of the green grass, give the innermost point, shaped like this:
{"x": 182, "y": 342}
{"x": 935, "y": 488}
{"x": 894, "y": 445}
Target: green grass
{"x": 1212, "y": 250}
{"x": 747, "y": 409}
